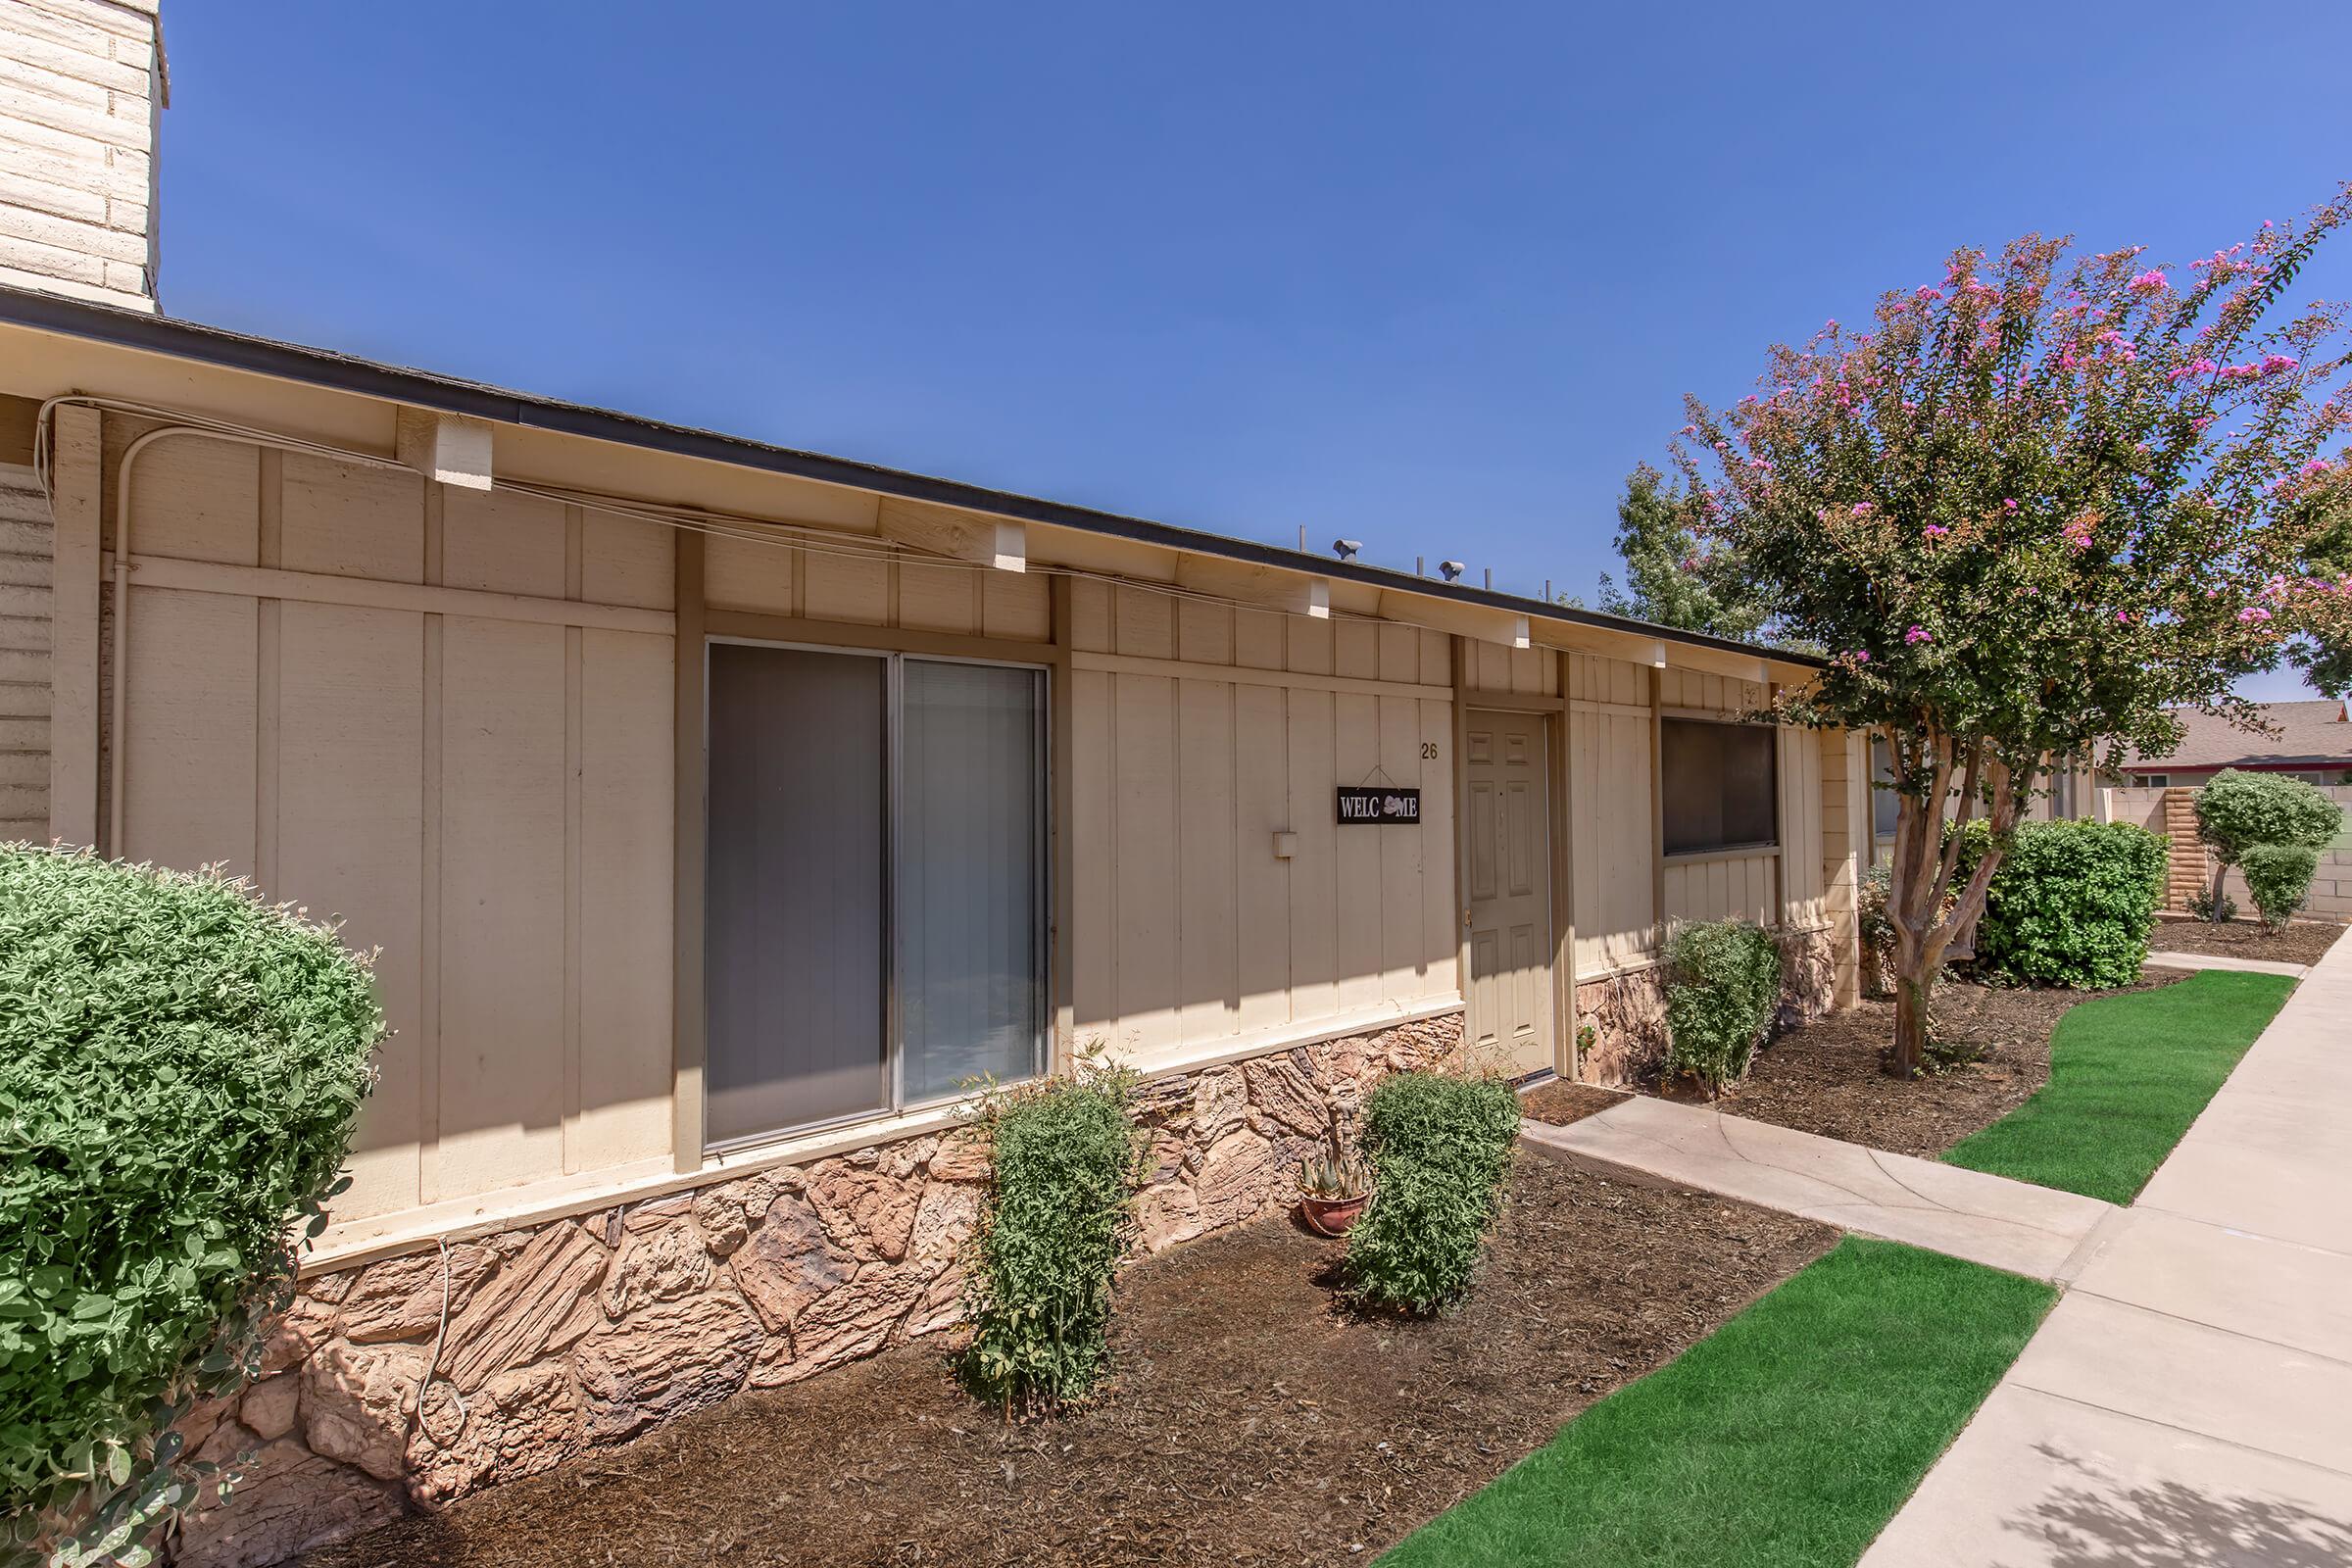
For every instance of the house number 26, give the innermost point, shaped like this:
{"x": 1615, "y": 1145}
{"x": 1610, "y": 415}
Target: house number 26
{"x": 1429, "y": 751}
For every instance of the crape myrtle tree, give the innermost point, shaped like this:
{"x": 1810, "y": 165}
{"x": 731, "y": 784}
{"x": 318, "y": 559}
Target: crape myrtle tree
{"x": 2040, "y": 501}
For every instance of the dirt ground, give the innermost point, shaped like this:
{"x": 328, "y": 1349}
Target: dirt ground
{"x": 1250, "y": 1420}
{"x": 1825, "y": 1077}
{"x": 1560, "y": 1104}
{"x": 2302, "y": 942}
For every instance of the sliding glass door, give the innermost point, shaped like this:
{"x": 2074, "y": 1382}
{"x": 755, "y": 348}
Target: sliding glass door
{"x": 874, "y": 933}
{"x": 970, "y": 875}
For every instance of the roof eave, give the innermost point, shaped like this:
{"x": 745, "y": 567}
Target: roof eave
{"x": 322, "y": 367}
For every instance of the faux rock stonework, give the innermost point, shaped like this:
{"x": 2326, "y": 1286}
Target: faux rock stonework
{"x": 543, "y": 1343}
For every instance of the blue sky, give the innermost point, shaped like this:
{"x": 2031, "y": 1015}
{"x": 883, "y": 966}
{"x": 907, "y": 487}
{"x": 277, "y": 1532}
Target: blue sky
{"x": 1432, "y": 277}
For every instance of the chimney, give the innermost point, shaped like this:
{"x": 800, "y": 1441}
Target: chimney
{"x": 82, "y": 90}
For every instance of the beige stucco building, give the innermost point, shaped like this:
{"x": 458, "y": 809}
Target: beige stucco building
{"x": 717, "y": 810}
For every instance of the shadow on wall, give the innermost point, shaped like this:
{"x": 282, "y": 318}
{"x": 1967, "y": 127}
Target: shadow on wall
{"x": 2100, "y": 1525}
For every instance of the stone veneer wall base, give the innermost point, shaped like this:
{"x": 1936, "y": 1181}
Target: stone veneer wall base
{"x": 590, "y": 1331}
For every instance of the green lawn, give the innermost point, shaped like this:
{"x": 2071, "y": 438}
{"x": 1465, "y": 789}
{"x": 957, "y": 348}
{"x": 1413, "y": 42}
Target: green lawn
{"x": 1785, "y": 1440}
{"x": 2127, "y": 1075}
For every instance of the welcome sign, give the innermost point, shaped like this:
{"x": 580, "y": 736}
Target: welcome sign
{"x": 1366, "y": 806}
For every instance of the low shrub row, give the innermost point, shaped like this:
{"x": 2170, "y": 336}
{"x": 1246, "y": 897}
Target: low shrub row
{"x": 1067, "y": 1162}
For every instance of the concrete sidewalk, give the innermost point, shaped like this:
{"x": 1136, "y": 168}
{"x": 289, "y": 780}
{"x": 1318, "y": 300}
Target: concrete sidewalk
{"x": 2189, "y": 1400}
{"x": 1987, "y": 1219}
{"x": 2160, "y": 960}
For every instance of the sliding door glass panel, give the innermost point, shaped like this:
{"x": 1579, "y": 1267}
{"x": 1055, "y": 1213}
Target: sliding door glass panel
{"x": 971, "y": 842}
{"x": 794, "y": 936}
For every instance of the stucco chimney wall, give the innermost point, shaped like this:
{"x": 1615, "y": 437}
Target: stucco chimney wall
{"x": 82, "y": 89}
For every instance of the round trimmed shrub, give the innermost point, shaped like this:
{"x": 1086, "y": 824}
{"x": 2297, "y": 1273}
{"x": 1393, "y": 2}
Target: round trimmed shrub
{"x": 2071, "y": 902}
{"x": 1723, "y": 985}
{"x": 1440, "y": 1149}
{"x": 2238, "y": 810}
{"x": 180, "y": 1069}
{"x": 2278, "y": 876}
{"x": 1065, "y": 1159}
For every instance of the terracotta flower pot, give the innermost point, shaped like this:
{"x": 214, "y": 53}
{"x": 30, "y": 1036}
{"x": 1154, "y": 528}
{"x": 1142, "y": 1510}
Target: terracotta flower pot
{"x": 1330, "y": 1217}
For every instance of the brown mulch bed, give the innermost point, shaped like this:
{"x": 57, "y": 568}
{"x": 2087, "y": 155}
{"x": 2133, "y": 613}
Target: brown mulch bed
{"x": 1560, "y": 1104}
{"x": 1252, "y": 1421}
{"x": 1825, "y": 1077}
{"x": 2303, "y": 941}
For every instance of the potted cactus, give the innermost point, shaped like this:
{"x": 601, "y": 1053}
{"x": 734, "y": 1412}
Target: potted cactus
{"x": 1333, "y": 1189}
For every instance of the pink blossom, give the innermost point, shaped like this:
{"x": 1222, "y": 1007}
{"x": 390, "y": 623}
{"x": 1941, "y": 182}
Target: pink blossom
{"x": 2253, "y": 613}
{"x": 2123, "y": 617}
{"x": 1935, "y": 531}
{"x": 1917, "y": 634}
{"x": 2009, "y": 504}
{"x": 2148, "y": 282}
{"x": 2316, "y": 465}
{"x": 1862, "y": 508}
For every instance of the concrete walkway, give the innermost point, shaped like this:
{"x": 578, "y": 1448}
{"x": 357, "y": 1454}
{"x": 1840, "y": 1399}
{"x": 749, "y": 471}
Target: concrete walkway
{"x": 1987, "y": 1219}
{"x": 2160, "y": 960}
{"x": 2189, "y": 1400}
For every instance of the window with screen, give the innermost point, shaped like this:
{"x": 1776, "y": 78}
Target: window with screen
{"x": 1721, "y": 785}
{"x": 875, "y": 927}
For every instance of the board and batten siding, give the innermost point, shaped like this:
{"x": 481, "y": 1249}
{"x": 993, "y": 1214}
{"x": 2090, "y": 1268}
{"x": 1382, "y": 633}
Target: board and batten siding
{"x": 486, "y": 799}
{"x": 1203, "y": 729}
{"x": 805, "y": 580}
{"x": 26, "y": 565}
{"x": 1611, "y": 772}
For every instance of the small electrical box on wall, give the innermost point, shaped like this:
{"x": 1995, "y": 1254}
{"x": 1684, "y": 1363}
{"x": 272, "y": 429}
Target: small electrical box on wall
{"x": 1285, "y": 845}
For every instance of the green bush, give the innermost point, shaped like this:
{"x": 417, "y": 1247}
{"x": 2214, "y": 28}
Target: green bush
{"x": 2278, "y": 876}
{"x": 1065, "y": 1161}
{"x": 1440, "y": 1149}
{"x": 1722, "y": 985}
{"x": 2237, "y": 810}
{"x": 180, "y": 1069}
{"x": 2071, "y": 904}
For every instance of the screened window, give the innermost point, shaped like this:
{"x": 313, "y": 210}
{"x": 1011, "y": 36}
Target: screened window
{"x": 1886, "y": 805}
{"x": 874, "y": 933}
{"x": 1721, "y": 785}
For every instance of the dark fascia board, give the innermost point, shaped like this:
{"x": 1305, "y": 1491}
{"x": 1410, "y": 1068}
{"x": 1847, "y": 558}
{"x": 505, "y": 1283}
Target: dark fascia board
{"x": 422, "y": 389}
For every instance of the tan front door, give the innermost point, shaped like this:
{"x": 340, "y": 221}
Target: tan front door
{"x": 1510, "y": 889}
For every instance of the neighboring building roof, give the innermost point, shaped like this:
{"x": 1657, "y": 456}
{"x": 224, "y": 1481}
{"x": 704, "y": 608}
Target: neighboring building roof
{"x": 2312, "y": 734}
{"x": 216, "y": 346}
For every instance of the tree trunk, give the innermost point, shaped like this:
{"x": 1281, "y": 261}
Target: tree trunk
{"x": 2221, "y": 876}
{"x": 1924, "y": 905}
{"x": 1911, "y": 999}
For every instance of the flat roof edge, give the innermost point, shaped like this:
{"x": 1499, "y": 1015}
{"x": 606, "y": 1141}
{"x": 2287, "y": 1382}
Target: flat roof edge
{"x": 423, "y": 389}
